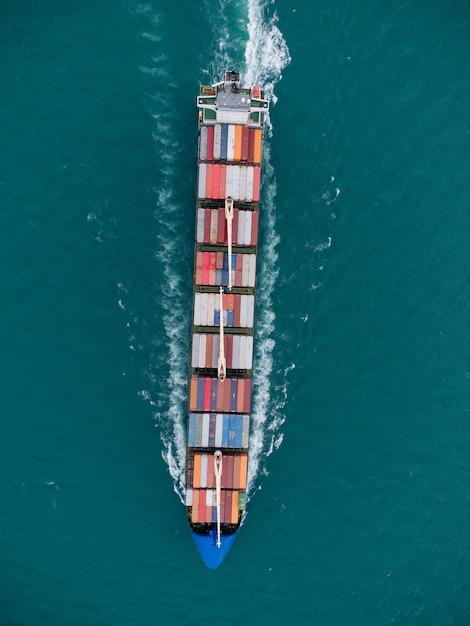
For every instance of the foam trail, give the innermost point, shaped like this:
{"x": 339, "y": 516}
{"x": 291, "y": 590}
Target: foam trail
{"x": 266, "y": 55}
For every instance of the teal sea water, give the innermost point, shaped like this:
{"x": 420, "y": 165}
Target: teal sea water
{"x": 360, "y": 468}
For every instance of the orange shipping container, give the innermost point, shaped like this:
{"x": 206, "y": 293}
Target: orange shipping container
{"x": 197, "y": 471}
{"x": 234, "y": 519}
{"x": 257, "y": 146}
{"x": 193, "y": 394}
{"x": 243, "y": 470}
{"x": 241, "y": 395}
{"x": 238, "y": 143}
{"x": 215, "y": 181}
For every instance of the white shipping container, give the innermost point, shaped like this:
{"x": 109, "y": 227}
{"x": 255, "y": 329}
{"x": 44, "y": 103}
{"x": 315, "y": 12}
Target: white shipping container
{"x": 203, "y": 144}
{"x": 236, "y": 352}
{"x": 197, "y": 310}
{"x": 205, "y": 430}
{"x": 242, "y": 356}
{"x": 245, "y": 431}
{"x": 250, "y": 312}
{"x": 209, "y": 497}
{"x": 241, "y": 228}
{"x": 204, "y": 305}
{"x": 249, "y": 182}
{"x": 243, "y": 183}
{"x": 248, "y": 218}
{"x": 211, "y": 300}
{"x": 249, "y": 353}
{"x": 217, "y": 141}
{"x": 195, "y": 351}
{"x": 218, "y": 429}
{"x": 200, "y": 226}
{"x": 231, "y": 143}
{"x": 203, "y": 471}
{"x": 252, "y": 273}
{"x": 229, "y": 180}
{"x": 243, "y": 311}
{"x": 202, "y": 350}
{"x": 246, "y": 270}
{"x": 236, "y": 182}
{"x": 201, "y": 187}
{"x": 189, "y": 497}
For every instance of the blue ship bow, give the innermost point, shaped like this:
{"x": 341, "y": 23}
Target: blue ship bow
{"x": 207, "y": 547}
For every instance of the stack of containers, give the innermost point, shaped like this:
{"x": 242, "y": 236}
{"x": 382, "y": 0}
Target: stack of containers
{"x": 219, "y": 410}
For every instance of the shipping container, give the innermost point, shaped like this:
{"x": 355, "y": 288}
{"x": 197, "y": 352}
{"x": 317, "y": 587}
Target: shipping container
{"x": 210, "y": 143}
{"x": 217, "y": 141}
{"x": 203, "y": 144}
{"x": 257, "y": 146}
{"x": 251, "y": 146}
{"x": 223, "y": 142}
{"x": 256, "y": 183}
{"x": 238, "y": 143}
{"x": 208, "y": 189}
{"x": 230, "y": 143}
{"x": 201, "y": 190}
{"x": 245, "y": 141}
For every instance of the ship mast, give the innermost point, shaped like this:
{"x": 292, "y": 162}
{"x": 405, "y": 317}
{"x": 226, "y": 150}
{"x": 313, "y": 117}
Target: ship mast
{"x": 218, "y": 476}
{"x": 229, "y": 218}
{"x": 222, "y": 364}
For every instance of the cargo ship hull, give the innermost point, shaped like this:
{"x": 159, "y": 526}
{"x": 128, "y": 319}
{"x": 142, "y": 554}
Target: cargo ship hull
{"x": 230, "y": 125}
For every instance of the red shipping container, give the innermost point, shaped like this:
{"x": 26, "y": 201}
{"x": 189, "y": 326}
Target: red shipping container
{"x": 251, "y": 146}
{"x": 256, "y": 183}
{"x": 209, "y": 341}
{"x": 210, "y": 143}
{"x": 228, "y": 300}
{"x": 235, "y": 226}
{"x": 227, "y": 394}
{"x": 223, "y": 480}
{"x": 238, "y": 273}
{"x": 222, "y": 181}
{"x": 212, "y": 268}
{"x": 209, "y": 181}
{"x": 254, "y": 228}
{"x": 230, "y": 472}
{"x": 199, "y": 268}
{"x": 236, "y": 314}
{"x": 221, "y": 228}
{"x": 195, "y": 511}
{"x": 220, "y": 396}
{"x": 241, "y": 395}
{"x": 215, "y": 181}
{"x": 205, "y": 267}
{"x": 207, "y": 225}
{"x": 245, "y": 142}
{"x": 228, "y": 507}
{"x": 236, "y": 472}
{"x": 219, "y": 260}
{"x": 207, "y": 395}
{"x": 247, "y": 401}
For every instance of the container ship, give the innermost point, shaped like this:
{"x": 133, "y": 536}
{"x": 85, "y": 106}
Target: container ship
{"x": 230, "y": 131}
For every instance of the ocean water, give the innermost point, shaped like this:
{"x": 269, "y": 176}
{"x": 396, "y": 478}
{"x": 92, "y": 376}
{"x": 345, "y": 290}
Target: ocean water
{"x": 360, "y": 462}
